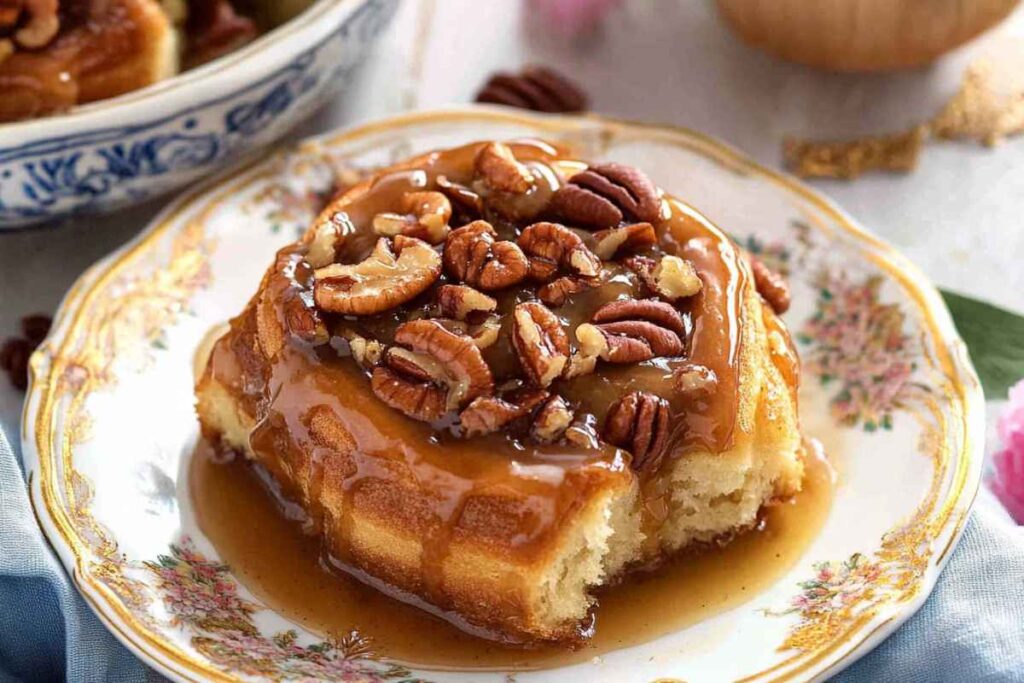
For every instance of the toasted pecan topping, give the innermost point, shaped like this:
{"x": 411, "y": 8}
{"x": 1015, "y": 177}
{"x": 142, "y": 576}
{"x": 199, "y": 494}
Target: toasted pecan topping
{"x": 557, "y": 292}
{"x": 552, "y": 420}
{"x": 431, "y": 371}
{"x": 630, "y": 331}
{"x": 473, "y": 254}
{"x": 669, "y": 277}
{"x": 604, "y": 194}
{"x": 489, "y": 414}
{"x": 540, "y": 342}
{"x": 462, "y": 302}
{"x": 380, "y": 282}
{"x": 499, "y": 170}
{"x": 632, "y": 237}
{"x": 639, "y": 422}
{"x": 425, "y": 216}
{"x": 559, "y": 245}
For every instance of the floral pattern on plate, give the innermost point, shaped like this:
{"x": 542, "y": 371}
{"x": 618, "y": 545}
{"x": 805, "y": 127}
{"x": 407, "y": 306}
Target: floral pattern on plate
{"x": 134, "y": 321}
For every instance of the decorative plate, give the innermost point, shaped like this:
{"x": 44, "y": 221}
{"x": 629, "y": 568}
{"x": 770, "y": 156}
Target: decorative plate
{"x": 887, "y": 386}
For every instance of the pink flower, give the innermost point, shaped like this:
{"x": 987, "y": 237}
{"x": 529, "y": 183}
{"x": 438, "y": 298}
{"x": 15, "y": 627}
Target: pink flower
{"x": 1008, "y": 480}
{"x": 573, "y": 16}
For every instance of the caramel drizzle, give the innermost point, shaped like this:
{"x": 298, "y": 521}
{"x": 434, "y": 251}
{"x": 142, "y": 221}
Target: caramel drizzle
{"x": 381, "y": 445}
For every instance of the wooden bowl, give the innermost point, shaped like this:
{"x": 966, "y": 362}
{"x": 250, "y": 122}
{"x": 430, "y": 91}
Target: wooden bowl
{"x": 861, "y": 35}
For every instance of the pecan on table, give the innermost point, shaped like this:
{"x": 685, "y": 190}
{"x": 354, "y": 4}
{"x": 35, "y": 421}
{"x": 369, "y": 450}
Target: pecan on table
{"x": 639, "y": 422}
{"x": 604, "y": 194}
{"x": 425, "y": 216}
{"x": 496, "y": 166}
{"x": 431, "y": 371}
{"x": 771, "y": 286}
{"x": 540, "y": 343}
{"x": 551, "y": 243}
{"x": 536, "y": 88}
{"x": 380, "y": 282}
{"x": 631, "y": 331}
{"x": 670, "y": 277}
{"x": 472, "y": 254}
{"x": 632, "y": 237}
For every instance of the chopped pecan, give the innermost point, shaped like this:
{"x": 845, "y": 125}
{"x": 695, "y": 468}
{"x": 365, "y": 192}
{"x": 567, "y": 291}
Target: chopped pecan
{"x": 426, "y": 216}
{"x": 557, "y": 292}
{"x": 771, "y": 286}
{"x": 431, "y": 371}
{"x": 466, "y": 201}
{"x": 670, "y": 277}
{"x": 303, "y": 320}
{"x": 464, "y": 303}
{"x": 488, "y": 414}
{"x": 639, "y": 422}
{"x": 322, "y": 248}
{"x": 535, "y": 87}
{"x": 632, "y": 237}
{"x": 380, "y": 282}
{"x": 540, "y": 342}
{"x": 551, "y": 421}
{"x": 499, "y": 170}
{"x": 604, "y": 194}
{"x": 558, "y": 244}
{"x": 631, "y": 331}
{"x": 473, "y": 255}
{"x": 366, "y": 352}
{"x": 694, "y": 380}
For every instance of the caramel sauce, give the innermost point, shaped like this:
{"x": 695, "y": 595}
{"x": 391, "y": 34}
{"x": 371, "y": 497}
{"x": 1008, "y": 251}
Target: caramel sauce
{"x": 334, "y": 448}
{"x": 263, "y": 538}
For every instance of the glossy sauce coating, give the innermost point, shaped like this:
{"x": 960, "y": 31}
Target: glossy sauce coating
{"x": 319, "y": 423}
{"x": 261, "y": 536}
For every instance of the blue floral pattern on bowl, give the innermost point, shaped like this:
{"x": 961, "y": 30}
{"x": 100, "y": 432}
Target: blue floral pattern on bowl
{"x": 98, "y": 169}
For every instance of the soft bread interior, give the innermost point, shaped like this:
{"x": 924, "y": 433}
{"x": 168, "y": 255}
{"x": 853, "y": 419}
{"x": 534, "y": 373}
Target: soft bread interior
{"x": 709, "y": 496}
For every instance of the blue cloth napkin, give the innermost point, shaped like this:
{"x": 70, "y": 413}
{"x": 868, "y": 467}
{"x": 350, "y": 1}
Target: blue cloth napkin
{"x": 971, "y": 629}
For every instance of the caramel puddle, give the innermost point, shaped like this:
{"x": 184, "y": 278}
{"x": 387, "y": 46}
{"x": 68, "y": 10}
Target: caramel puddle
{"x": 265, "y": 545}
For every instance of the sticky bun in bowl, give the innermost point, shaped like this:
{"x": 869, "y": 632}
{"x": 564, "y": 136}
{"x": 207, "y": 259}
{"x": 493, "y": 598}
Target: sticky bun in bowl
{"x": 104, "y": 103}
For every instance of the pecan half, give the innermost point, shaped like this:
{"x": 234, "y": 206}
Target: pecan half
{"x": 426, "y": 216}
{"x": 380, "y": 282}
{"x": 540, "y": 342}
{"x": 771, "y": 286}
{"x": 558, "y": 244}
{"x": 632, "y": 237}
{"x": 464, "y": 303}
{"x": 631, "y": 331}
{"x": 473, "y": 254}
{"x": 323, "y": 247}
{"x": 551, "y": 421}
{"x": 670, "y": 277}
{"x": 431, "y": 371}
{"x": 639, "y": 422}
{"x": 557, "y": 292}
{"x": 467, "y": 202}
{"x": 488, "y": 414}
{"x": 604, "y": 194}
{"x": 536, "y": 88}
{"x": 497, "y": 167}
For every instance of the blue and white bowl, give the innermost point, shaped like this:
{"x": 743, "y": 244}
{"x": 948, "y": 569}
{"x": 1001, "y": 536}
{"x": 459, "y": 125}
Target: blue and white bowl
{"x": 120, "y": 151}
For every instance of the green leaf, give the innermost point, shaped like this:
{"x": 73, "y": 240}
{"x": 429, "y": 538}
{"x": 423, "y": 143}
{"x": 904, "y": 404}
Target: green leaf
{"x": 995, "y": 339}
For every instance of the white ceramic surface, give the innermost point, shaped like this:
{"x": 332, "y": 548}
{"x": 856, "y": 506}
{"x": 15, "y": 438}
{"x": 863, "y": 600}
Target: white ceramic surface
{"x": 120, "y": 151}
{"x": 887, "y": 384}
